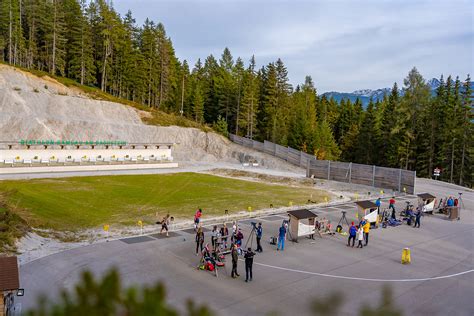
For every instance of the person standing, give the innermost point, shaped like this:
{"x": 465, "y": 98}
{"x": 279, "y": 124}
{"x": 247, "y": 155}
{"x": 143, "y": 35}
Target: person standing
{"x": 197, "y": 218}
{"x": 360, "y": 236}
{"x": 235, "y": 259}
{"x": 418, "y": 217}
{"x": 352, "y": 234}
{"x": 199, "y": 240}
{"x": 248, "y": 264}
{"x": 259, "y": 233}
{"x": 224, "y": 234}
{"x": 164, "y": 224}
{"x": 239, "y": 237}
{"x": 366, "y": 229}
{"x": 378, "y": 202}
{"x": 214, "y": 237}
{"x": 391, "y": 204}
{"x": 281, "y": 237}
{"x": 234, "y": 231}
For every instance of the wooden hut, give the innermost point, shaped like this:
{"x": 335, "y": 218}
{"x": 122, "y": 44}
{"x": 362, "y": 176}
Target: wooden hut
{"x": 301, "y": 223}
{"x": 9, "y": 281}
{"x": 427, "y": 202}
{"x": 367, "y": 210}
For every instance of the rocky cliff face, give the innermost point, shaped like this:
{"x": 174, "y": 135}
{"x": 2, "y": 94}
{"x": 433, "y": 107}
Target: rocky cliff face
{"x": 42, "y": 108}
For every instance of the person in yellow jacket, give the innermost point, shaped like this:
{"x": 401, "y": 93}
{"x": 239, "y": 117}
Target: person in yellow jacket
{"x": 366, "y": 227}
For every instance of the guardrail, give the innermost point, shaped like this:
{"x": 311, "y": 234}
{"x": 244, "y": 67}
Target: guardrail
{"x": 388, "y": 178}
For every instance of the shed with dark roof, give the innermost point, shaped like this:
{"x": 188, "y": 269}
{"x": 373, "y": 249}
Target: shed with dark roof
{"x": 302, "y": 214}
{"x": 301, "y": 223}
{"x": 9, "y": 277}
{"x": 368, "y": 210}
{"x": 426, "y": 196}
{"x": 366, "y": 204}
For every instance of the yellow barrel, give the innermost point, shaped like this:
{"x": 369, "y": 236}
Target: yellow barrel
{"x": 406, "y": 256}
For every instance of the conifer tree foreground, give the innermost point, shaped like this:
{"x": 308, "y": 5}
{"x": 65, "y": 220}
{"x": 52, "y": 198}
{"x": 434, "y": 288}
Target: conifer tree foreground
{"x": 89, "y": 42}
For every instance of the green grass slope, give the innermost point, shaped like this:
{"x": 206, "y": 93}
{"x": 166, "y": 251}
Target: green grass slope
{"x": 89, "y": 202}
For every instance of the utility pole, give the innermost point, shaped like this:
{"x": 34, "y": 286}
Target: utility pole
{"x": 10, "y": 57}
{"x": 238, "y": 110}
{"x": 182, "y": 96}
{"x": 452, "y": 162}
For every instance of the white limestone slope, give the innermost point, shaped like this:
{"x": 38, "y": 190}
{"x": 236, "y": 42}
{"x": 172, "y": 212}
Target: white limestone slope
{"x": 42, "y": 108}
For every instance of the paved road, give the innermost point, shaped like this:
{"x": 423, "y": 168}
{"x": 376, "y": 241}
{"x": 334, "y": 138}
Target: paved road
{"x": 287, "y": 281}
{"x": 183, "y": 167}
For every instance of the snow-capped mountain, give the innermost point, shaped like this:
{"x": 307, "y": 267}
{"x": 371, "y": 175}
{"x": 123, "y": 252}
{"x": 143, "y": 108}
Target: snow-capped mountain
{"x": 364, "y": 95}
{"x": 433, "y": 83}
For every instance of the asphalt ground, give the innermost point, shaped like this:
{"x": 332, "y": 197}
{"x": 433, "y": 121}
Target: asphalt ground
{"x": 439, "y": 280}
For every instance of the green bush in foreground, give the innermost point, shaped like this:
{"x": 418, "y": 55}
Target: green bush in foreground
{"x": 106, "y": 297}
{"x": 12, "y": 226}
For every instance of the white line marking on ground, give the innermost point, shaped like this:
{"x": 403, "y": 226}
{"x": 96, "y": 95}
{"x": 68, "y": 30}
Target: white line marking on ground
{"x": 365, "y": 279}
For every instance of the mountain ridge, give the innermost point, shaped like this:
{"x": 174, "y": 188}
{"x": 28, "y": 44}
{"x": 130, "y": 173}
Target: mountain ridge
{"x": 364, "y": 95}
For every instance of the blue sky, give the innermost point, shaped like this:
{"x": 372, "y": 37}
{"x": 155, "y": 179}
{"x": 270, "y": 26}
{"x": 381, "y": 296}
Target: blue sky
{"x": 343, "y": 45}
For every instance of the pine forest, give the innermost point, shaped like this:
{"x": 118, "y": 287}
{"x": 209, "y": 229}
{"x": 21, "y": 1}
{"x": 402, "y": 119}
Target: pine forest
{"x": 89, "y": 42}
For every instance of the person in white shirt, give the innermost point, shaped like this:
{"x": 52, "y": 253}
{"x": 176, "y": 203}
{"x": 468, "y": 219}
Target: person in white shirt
{"x": 360, "y": 236}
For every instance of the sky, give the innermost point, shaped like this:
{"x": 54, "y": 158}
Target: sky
{"x": 343, "y": 45}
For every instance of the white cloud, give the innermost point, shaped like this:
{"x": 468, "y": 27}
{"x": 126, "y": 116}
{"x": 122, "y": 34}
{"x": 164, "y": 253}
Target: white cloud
{"x": 343, "y": 45}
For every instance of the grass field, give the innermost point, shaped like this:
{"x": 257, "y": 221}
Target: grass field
{"x": 89, "y": 202}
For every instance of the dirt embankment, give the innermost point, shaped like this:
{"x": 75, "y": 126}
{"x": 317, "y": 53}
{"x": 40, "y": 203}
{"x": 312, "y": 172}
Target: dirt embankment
{"x": 42, "y": 108}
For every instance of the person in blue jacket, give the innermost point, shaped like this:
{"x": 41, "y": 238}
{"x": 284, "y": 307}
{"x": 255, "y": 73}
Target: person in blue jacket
{"x": 352, "y": 234}
{"x": 259, "y": 233}
{"x": 378, "y": 203}
{"x": 281, "y": 237}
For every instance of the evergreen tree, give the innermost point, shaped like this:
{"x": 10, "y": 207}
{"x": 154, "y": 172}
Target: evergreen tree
{"x": 416, "y": 96}
{"x": 247, "y": 114}
{"x": 388, "y": 139}
{"x": 367, "y": 148}
{"x": 268, "y": 106}
{"x": 325, "y": 146}
{"x": 224, "y": 85}
{"x": 466, "y": 138}
{"x": 79, "y": 58}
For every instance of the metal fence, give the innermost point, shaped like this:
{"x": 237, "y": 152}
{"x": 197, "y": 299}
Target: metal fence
{"x": 388, "y": 178}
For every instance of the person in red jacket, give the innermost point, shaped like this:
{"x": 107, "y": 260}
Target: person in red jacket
{"x": 197, "y": 219}
{"x": 391, "y": 203}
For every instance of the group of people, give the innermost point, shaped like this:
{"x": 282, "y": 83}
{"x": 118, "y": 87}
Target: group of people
{"x": 361, "y": 232}
{"x": 219, "y": 240}
{"x": 248, "y": 255}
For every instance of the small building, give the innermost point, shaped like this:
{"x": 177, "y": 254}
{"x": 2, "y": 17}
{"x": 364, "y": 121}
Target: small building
{"x": 367, "y": 210}
{"x": 427, "y": 202}
{"x": 9, "y": 283}
{"x": 301, "y": 223}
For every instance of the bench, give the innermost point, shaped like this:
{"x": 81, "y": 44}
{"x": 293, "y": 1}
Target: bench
{"x": 27, "y": 161}
{"x": 9, "y": 162}
{"x": 146, "y": 159}
{"x": 45, "y": 161}
{"x": 134, "y": 159}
